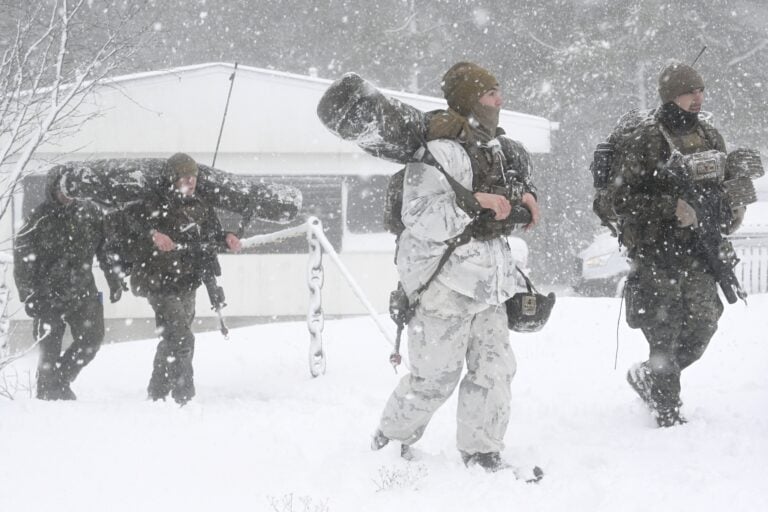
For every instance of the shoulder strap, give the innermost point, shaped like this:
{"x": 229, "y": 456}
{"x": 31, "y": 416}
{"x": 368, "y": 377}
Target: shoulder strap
{"x": 667, "y": 136}
{"x": 528, "y": 282}
{"x": 453, "y": 243}
{"x": 706, "y": 131}
{"x": 464, "y": 197}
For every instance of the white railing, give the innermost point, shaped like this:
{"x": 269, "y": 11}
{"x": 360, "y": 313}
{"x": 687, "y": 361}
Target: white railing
{"x": 752, "y": 270}
{"x": 313, "y": 230}
{"x": 318, "y": 243}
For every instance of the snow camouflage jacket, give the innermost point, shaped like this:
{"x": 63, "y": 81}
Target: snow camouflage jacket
{"x": 645, "y": 207}
{"x": 194, "y": 227}
{"x": 54, "y": 252}
{"x": 483, "y": 270}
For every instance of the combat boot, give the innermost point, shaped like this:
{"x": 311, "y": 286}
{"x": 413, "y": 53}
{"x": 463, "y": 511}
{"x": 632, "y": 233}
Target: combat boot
{"x": 183, "y": 390}
{"x": 491, "y": 461}
{"x": 406, "y": 452}
{"x": 379, "y": 440}
{"x": 48, "y": 384}
{"x": 639, "y": 377}
{"x": 669, "y": 416}
{"x": 159, "y": 385}
{"x": 66, "y": 392}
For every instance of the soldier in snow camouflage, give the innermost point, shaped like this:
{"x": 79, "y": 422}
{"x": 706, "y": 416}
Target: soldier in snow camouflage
{"x": 461, "y": 315}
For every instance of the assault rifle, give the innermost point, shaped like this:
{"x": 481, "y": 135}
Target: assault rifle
{"x": 215, "y": 292}
{"x": 216, "y": 296}
{"x": 711, "y": 213}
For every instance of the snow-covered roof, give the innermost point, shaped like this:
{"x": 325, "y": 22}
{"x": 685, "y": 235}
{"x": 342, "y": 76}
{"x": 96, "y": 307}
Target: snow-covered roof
{"x": 271, "y": 123}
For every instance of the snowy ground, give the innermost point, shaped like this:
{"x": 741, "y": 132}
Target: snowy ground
{"x": 262, "y": 435}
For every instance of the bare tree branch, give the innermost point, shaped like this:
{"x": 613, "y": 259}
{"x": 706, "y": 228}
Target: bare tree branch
{"x": 43, "y": 85}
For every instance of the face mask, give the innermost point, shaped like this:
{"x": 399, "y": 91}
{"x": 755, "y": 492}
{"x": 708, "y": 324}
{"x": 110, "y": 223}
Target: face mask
{"x": 487, "y": 117}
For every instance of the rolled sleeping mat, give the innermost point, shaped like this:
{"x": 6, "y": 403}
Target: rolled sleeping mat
{"x": 114, "y": 182}
{"x": 355, "y": 110}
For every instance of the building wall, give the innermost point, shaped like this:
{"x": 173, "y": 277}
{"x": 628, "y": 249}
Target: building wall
{"x": 271, "y": 129}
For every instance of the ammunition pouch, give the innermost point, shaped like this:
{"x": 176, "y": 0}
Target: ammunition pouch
{"x": 602, "y": 206}
{"x": 743, "y": 163}
{"x": 400, "y": 310}
{"x": 707, "y": 166}
{"x": 601, "y": 165}
{"x": 739, "y": 192}
{"x": 637, "y": 303}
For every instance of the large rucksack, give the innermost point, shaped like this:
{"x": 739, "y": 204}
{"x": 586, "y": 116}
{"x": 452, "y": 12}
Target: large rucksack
{"x": 604, "y": 166}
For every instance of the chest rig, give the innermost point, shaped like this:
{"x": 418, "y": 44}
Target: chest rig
{"x": 696, "y": 154}
{"x": 488, "y": 165}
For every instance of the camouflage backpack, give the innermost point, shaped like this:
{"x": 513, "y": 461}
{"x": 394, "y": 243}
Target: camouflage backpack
{"x": 393, "y": 205}
{"x": 604, "y": 166}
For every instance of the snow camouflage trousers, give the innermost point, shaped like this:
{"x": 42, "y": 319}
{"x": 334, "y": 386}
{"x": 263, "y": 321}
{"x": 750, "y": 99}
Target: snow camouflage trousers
{"x": 447, "y": 329}
{"x": 684, "y": 308}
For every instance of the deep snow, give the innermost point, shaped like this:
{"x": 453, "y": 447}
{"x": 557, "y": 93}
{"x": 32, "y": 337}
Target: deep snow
{"x": 262, "y": 435}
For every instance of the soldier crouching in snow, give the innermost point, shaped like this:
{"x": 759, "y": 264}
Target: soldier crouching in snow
{"x": 53, "y": 256}
{"x": 460, "y": 315}
{"x": 174, "y": 236}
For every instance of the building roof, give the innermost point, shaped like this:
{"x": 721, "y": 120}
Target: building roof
{"x": 271, "y": 123}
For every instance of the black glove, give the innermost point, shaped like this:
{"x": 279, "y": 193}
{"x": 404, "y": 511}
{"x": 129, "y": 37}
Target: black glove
{"x": 486, "y": 227}
{"x": 31, "y": 309}
{"x": 116, "y": 290}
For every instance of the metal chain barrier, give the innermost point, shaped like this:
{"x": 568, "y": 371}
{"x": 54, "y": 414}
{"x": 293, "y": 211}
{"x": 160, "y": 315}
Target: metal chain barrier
{"x": 317, "y": 241}
{"x": 313, "y": 230}
{"x": 315, "y": 319}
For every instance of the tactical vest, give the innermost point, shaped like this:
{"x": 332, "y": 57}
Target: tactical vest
{"x": 662, "y": 238}
{"x": 487, "y": 176}
{"x": 607, "y": 156}
{"x": 487, "y": 168}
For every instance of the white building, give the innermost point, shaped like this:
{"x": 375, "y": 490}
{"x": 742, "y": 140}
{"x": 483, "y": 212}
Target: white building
{"x": 271, "y": 130}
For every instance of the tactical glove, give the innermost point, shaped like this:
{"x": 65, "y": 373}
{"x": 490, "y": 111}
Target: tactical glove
{"x": 116, "y": 290}
{"x": 31, "y": 309}
{"x": 686, "y": 215}
{"x": 115, "y": 294}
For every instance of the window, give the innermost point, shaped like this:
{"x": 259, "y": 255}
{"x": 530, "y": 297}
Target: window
{"x": 366, "y": 197}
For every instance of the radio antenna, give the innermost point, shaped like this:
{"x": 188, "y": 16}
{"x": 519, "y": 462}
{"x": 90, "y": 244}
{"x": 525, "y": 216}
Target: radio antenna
{"x": 224, "y": 118}
{"x": 699, "y": 55}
